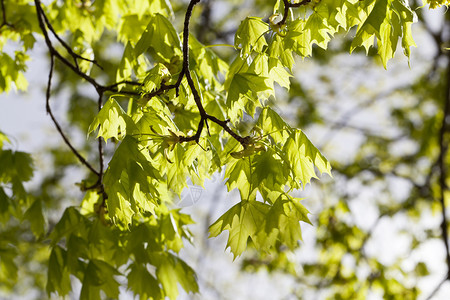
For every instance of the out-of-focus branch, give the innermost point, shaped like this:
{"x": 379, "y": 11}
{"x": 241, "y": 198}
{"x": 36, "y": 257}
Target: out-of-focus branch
{"x": 443, "y": 149}
{"x": 4, "y": 22}
{"x": 44, "y": 24}
{"x": 74, "y": 55}
{"x": 58, "y": 127}
{"x": 440, "y": 163}
{"x": 437, "y": 288}
{"x": 345, "y": 118}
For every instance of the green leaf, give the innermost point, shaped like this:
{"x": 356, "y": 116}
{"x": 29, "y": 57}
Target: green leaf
{"x": 99, "y": 275}
{"x": 250, "y": 36}
{"x": 243, "y": 221}
{"x": 58, "y": 276}
{"x": 155, "y": 77}
{"x": 281, "y": 49}
{"x": 407, "y": 18}
{"x": 5, "y": 202}
{"x": 387, "y": 21}
{"x": 186, "y": 161}
{"x": 131, "y": 28}
{"x": 161, "y": 6}
{"x": 142, "y": 283}
{"x": 268, "y": 171}
{"x": 11, "y": 71}
{"x": 71, "y": 222}
{"x": 171, "y": 270}
{"x": 128, "y": 181}
{"x": 36, "y": 218}
{"x": 317, "y": 28}
{"x": 205, "y": 62}
{"x": 126, "y": 65}
{"x": 298, "y": 39}
{"x": 3, "y": 139}
{"x": 8, "y": 267}
{"x": 273, "y": 125}
{"x": 244, "y": 93}
{"x": 77, "y": 253}
{"x": 16, "y": 166}
{"x": 303, "y": 156}
{"x": 284, "y": 218}
{"x": 278, "y": 73}
{"x": 238, "y": 173}
{"x": 160, "y": 38}
{"x": 111, "y": 121}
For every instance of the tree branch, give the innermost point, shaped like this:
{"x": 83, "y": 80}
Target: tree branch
{"x": 437, "y": 288}
{"x": 4, "y": 22}
{"x": 204, "y": 117}
{"x": 443, "y": 148}
{"x": 54, "y": 52}
{"x": 288, "y": 5}
{"x": 44, "y": 23}
{"x": 58, "y": 127}
{"x": 74, "y": 55}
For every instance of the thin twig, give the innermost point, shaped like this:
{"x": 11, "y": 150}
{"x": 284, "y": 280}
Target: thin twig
{"x": 58, "y": 127}
{"x": 100, "y": 88}
{"x": 114, "y": 85}
{"x": 204, "y": 117}
{"x": 100, "y": 143}
{"x": 44, "y": 23}
{"x": 347, "y": 116}
{"x": 288, "y": 5}
{"x": 53, "y": 51}
{"x": 74, "y": 55}
{"x": 4, "y": 22}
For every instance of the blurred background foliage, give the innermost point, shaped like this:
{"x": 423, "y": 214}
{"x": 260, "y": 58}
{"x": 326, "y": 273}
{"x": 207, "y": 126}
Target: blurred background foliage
{"x": 378, "y": 230}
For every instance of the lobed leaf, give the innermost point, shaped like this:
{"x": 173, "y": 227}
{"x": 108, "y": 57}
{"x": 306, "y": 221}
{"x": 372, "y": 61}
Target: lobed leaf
{"x": 111, "y": 121}
{"x": 250, "y": 36}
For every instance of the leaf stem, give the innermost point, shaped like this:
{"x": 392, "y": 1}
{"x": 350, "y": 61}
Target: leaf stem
{"x": 219, "y": 45}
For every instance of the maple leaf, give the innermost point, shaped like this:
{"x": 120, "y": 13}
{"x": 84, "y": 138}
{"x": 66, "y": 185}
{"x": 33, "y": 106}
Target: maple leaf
{"x": 243, "y": 221}
{"x": 111, "y": 121}
{"x": 250, "y": 36}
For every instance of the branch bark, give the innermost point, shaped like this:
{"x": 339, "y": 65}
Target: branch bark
{"x": 288, "y": 5}
{"x": 58, "y": 127}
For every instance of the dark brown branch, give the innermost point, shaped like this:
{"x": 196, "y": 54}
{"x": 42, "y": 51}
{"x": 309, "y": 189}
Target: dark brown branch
{"x": 288, "y": 5}
{"x": 74, "y": 55}
{"x": 4, "y": 22}
{"x": 58, "y": 127}
{"x": 42, "y": 19}
{"x": 101, "y": 159}
{"x": 114, "y": 85}
{"x": 100, "y": 143}
{"x": 204, "y": 117}
{"x": 223, "y": 124}
{"x": 55, "y": 53}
